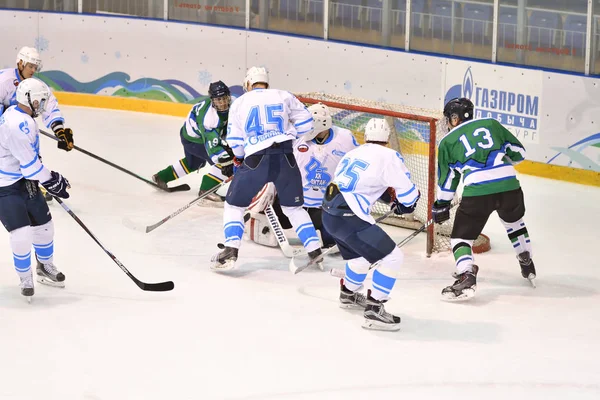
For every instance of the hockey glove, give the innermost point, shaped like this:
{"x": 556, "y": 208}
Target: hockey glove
{"x": 57, "y": 185}
{"x": 65, "y": 137}
{"x": 237, "y": 164}
{"x": 226, "y": 164}
{"x": 441, "y": 211}
{"x": 400, "y": 209}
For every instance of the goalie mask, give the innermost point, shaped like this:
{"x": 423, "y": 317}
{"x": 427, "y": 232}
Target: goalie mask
{"x": 33, "y": 94}
{"x": 220, "y": 97}
{"x": 255, "y": 75}
{"x": 322, "y": 120}
{"x": 458, "y": 110}
{"x": 377, "y": 130}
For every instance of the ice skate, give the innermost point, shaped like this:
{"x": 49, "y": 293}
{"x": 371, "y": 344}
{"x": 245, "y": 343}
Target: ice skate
{"x": 527, "y": 267}
{"x": 212, "y": 200}
{"x": 463, "y": 288}
{"x": 376, "y": 318}
{"x": 225, "y": 260}
{"x": 159, "y": 182}
{"x": 26, "y": 285}
{"x": 316, "y": 256}
{"x": 351, "y": 300}
{"x": 48, "y": 274}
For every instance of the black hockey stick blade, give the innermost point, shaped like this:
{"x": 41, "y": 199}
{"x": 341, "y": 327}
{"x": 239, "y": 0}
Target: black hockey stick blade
{"x": 180, "y": 188}
{"x": 151, "y": 287}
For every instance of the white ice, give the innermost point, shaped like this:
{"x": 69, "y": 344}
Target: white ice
{"x": 262, "y": 333}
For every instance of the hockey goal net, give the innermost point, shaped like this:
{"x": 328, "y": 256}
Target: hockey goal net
{"x": 415, "y": 134}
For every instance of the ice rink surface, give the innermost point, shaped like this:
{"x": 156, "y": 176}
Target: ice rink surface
{"x": 263, "y": 333}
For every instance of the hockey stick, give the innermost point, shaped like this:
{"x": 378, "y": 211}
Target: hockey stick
{"x": 295, "y": 269}
{"x": 284, "y": 244}
{"x": 147, "y": 229}
{"x": 152, "y": 287}
{"x": 180, "y": 188}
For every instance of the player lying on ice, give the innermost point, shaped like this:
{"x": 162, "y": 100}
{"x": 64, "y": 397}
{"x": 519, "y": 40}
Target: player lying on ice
{"x": 318, "y": 155}
{"x": 202, "y": 136}
{"x": 482, "y": 153}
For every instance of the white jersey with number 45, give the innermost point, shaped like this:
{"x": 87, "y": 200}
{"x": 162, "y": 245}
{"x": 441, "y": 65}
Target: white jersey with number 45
{"x": 317, "y": 162}
{"x": 262, "y": 117}
{"x": 366, "y": 172}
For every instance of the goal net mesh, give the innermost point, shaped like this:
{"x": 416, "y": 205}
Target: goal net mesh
{"x": 415, "y": 134}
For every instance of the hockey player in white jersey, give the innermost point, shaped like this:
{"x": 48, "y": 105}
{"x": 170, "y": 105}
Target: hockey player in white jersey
{"x": 28, "y": 63}
{"x": 318, "y": 154}
{"x": 23, "y": 211}
{"x": 364, "y": 175}
{"x": 263, "y": 123}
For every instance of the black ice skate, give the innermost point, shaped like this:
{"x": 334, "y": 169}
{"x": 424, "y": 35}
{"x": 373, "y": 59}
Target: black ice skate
{"x": 464, "y": 287}
{"x": 225, "y": 260}
{"x": 47, "y": 274}
{"x": 27, "y": 289}
{"x": 212, "y": 200}
{"x": 377, "y": 318}
{"x": 316, "y": 257}
{"x": 351, "y": 300}
{"x": 527, "y": 267}
{"x": 159, "y": 182}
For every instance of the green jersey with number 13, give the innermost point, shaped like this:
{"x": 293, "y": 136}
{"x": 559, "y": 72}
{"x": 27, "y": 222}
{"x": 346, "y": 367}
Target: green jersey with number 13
{"x": 483, "y": 153}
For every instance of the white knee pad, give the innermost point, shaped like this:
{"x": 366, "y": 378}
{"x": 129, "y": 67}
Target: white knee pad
{"x": 20, "y": 242}
{"x": 390, "y": 264}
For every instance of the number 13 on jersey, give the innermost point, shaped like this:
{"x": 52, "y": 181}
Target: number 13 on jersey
{"x": 485, "y": 141}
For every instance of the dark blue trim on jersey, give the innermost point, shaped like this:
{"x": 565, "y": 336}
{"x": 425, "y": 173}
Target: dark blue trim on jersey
{"x": 596, "y": 75}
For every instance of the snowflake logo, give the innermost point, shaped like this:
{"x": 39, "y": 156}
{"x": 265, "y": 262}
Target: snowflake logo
{"x": 41, "y": 43}
{"x": 117, "y": 54}
{"x": 85, "y": 58}
{"x": 348, "y": 86}
{"x": 204, "y": 77}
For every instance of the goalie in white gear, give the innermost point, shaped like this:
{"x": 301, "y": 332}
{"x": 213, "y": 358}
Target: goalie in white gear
{"x": 29, "y": 62}
{"x": 363, "y": 176}
{"x": 318, "y": 154}
{"x": 23, "y": 211}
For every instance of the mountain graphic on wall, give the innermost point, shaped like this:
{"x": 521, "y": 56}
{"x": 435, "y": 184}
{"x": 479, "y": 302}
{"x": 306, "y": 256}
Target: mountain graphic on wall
{"x": 120, "y": 84}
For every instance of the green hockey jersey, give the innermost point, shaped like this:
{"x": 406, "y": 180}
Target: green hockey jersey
{"x": 204, "y": 125}
{"x": 483, "y": 153}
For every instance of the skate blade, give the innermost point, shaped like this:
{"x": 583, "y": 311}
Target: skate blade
{"x": 49, "y": 282}
{"x": 531, "y": 279}
{"x": 380, "y": 326}
{"x": 211, "y": 204}
{"x": 351, "y": 307}
{"x": 466, "y": 294}
{"x": 227, "y": 266}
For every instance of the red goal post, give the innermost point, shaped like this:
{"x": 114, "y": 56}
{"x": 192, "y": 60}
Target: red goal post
{"x": 415, "y": 134}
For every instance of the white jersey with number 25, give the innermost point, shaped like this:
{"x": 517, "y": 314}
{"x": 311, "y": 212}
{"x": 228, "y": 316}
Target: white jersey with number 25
{"x": 364, "y": 173}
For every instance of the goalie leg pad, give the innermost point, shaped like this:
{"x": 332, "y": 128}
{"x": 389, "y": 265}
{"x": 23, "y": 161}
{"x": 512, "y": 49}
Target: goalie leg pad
{"x": 263, "y": 199}
{"x": 259, "y": 231}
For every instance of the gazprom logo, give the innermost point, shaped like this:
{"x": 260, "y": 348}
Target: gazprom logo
{"x": 511, "y": 108}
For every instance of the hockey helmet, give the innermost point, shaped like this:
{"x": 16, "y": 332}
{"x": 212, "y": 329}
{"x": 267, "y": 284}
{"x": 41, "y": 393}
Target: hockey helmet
{"x": 30, "y": 55}
{"x": 322, "y": 117}
{"x": 34, "y": 94}
{"x": 255, "y": 75}
{"x": 377, "y": 130}
{"x": 461, "y": 108}
{"x": 220, "y": 96}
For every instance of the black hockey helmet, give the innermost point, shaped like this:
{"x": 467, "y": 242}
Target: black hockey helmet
{"x": 220, "y": 96}
{"x": 462, "y": 108}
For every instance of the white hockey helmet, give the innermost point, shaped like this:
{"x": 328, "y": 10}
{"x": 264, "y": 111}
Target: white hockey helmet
{"x": 34, "y": 94}
{"x": 30, "y": 55}
{"x": 322, "y": 116}
{"x": 255, "y": 75}
{"x": 377, "y": 130}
